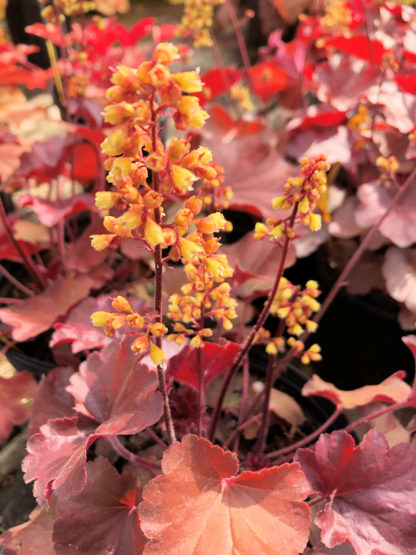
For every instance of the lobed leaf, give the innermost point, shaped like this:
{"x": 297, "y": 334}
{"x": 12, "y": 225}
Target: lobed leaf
{"x": 16, "y": 394}
{"x": 200, "y": 506}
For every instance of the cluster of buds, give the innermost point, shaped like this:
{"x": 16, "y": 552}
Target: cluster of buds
{"x": 301, "y": 194}
{"x": 241, "y": 94}
{"x": 338, "y": 16}
{"x": 388, "y": 166}
{"x": 197, "y": 20}
{"x": 206, "y": 295}
{"x": 214, "y": 194}
{"x": 295, "y": 307}
{"x": 56, "y": 10}
{"x": 145, "y": 325}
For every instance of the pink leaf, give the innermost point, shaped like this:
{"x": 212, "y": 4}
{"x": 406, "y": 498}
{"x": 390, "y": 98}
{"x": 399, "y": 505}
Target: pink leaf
{"x": 46, "y": 160}
{"x": 37, "y": 314}
{"x": 103, "y": 518}
{"x": 200, "y": 506}
{"x": 16, "y": 394}
{"x": 399, "y": 271}
{"x": 370, "y": 491}
{"x": 399, "y": 224}
{"x": 391, "y": 390}
{"x": 81, "y": 257}
{"x": 215, "y": 360}
{"x": 32, "y": 537}
{"x": 50, "y": 213}
{"x": 113, "y": 396}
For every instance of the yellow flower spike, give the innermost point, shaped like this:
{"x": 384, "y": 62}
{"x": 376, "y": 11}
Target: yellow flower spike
{"x": 158, "y": 329}
{"x": 315, "y": 222}
{"x": 177, "y": 149}
{"x": 132, "y": 218}
{"x": 100, "y": 318}
{"x": 121, "y": 304}
{"x": 182, "y": 178}
{"x": 114, "y": 144}
{"x": 196, "y": 342}
{"x": 304, "y": 205}
{"x": 140, "y": 344}
{"x": 125, "y": 77}
{"x": 188, "y": 248}
{"x": 135, "y": 321}
{"x": 159, "y": 76}
{"x": 152, "y": 199}
{"x": 165, "y": 53}
{"x": 101, "y": 242}
{"x": 106, "y": 199}
{"x": 194, "y": 115}
{"x": 156, "y": 354}
{"x": 194, "y": 204}
{"x": 156, "y": 162}
{"x": 153, "y": 233}
{"x": 188, "y": 81}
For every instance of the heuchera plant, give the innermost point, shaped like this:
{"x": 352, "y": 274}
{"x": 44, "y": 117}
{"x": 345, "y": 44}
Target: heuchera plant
{"x": 154, "y": 432}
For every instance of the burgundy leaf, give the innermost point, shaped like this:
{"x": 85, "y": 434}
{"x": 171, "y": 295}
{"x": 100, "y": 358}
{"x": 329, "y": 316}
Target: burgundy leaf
{"x": 37, "y": 314}
{"x": 52, "y": 401}
{"x": 114, "y": 395}
{"x": 215, "y": 359}
{"x": 103, "y": 518}
{"x": 16, "y": 394}
{"x": 370, "y": 491}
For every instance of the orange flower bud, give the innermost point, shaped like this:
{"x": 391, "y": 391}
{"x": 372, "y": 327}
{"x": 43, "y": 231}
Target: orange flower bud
{"x": 121, "y": 304}
{"x": 165, "y": 53}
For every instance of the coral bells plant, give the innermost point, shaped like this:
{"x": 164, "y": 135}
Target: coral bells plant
{"x": 166, "y": 420}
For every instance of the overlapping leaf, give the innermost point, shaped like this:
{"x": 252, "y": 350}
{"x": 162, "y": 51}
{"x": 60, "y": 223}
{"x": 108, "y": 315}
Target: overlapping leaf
{"x": 103, "y": 518}
{"x": 114, "y": 395}
{"x": 16, "y": 395}
{"x": 370, "y": 491}
{"x": 200, "y": 506}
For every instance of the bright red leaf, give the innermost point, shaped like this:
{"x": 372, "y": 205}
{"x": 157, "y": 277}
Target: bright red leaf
{"x": 114, "y": 395}
{"x": 103, "y": 518}
{"x": 200, "y": 506}
{"x": 215, "y": 360}
{"x": 267, "y": 79}
{"x": 360, "y": 47}
{"x": 16, "y": 395}
{"x": 392, "y": 390}
{"x": 228, "y": 126}
{"x": 37, "y": 314}
{"x": 217, "y": 81}
{"x": 370, "y": 491}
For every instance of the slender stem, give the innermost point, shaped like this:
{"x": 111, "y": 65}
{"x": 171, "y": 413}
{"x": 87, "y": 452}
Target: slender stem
{"x": 381, "y": 412}
{"x": 26, "y": 259}
{"x": 250, "y": 339}
{"x": 201, "y": 401}
{"x": 307, "y": 439}
{"x": 15, "y": 281}
{"x": 128, "y": 455}
{"x": 261, "y": 438}
{"x": 156, "y": 438}
{"x": 240, "y": 38}
{"x": 158, "y": 290}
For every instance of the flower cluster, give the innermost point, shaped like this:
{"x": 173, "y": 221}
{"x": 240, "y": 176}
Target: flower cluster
{"x": 197, "y": 20}
{"x": 206, "y": 295}
{"x": 295, "y": 307}
{"x": 337, "y": 16}
{"x": 59, "y": 9}
{"x": 302, "y": 195}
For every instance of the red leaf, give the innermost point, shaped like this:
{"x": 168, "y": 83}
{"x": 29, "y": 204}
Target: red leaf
{"x": 52, "y": 401}
{"x": 164, "y": 32}
{"x": 267, "y": 79}
{"x": 81, "y": 257}
{"x": 113, "y": 396}
{"x": 215, "y": 360}
{"x": 37, "y": 314}
{"x": 199, "y": 506}
{"x": 217, "y": 81}
{"x": 84, "y": 163}
{"x": 16, "y": 393}
{"x": 370, "y": 491}
{"x": 227, "y": 125}
{"x": 391, "y": 390}
{"x": 407, "y": 83}
{"x": 50, "y": 213}
{"x": 103, "y": 518}
{"x": 360, "y": 47}
{"x": 46, "y": 31}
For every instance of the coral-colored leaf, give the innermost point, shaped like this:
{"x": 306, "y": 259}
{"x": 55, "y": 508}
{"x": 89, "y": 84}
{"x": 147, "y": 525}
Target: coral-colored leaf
{"x": 37, "y": 314}
{"x": 392, "y": 390}
{"x": 47, "y": 159}
{"x": 215, "y": 359}
{"x": 32, "y": 537}
{"x": 16, "y": 394}
{"x": 114, "y": 395}
{"x": 370, "y": 491}
{"x": 267, "y": 79}
{"x": 103, "y": 517}
{"x": 200, "y": 506}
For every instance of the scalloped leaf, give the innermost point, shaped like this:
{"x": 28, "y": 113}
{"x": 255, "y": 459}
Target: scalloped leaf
{"x": 391, "y": 390}
{"x": 200, "y": 506}
{"x": 103, "y": 518}
{"x": 370, "y": 492}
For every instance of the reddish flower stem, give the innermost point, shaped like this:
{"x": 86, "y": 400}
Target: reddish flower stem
{"x": 158, "y": 291}
{"x": 261, "y": 438}
{"x": 307, "y": 439}
{"x": 240, "y": 39}
{"x": 15, "y": 281}
{"x": 26, "y": 259}
{"x": 201, "y": 402}
{"x": 128, "y": 455}
{"x": 251, "y": 337}
{"x": 156, "y": 438}
{"x": 381, "y": 412}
